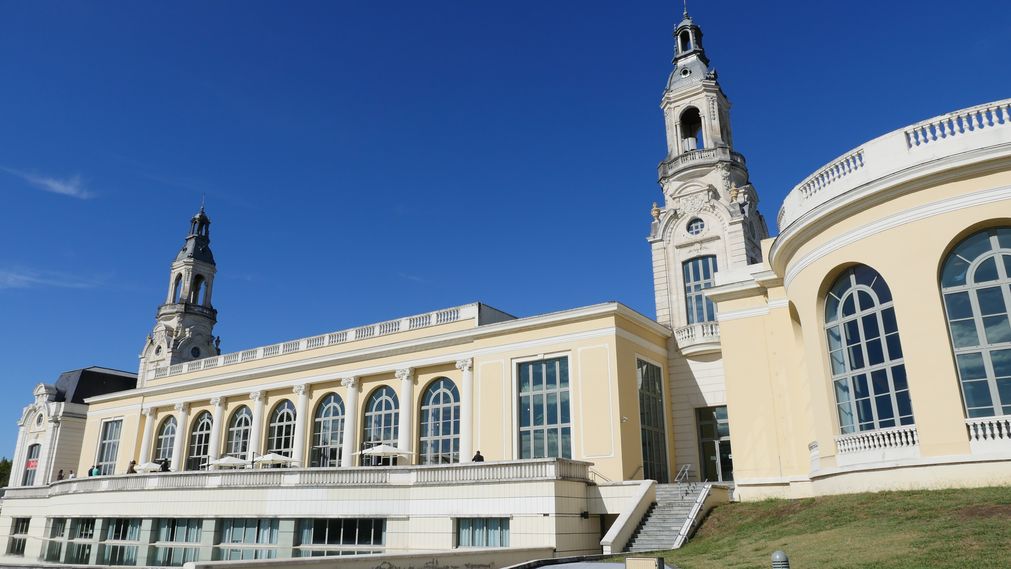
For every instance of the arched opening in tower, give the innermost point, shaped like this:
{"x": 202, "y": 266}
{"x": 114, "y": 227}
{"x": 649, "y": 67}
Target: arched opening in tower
{"x": 685, "y": 41}
{"x": 691, "y": 130}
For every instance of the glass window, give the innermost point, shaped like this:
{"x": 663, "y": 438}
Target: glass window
{"x": 16, "y": 545}
{"x": 482, "y": 532}
{"x": 865, "y": 355}
{"x": 200, "y": 442}
{"x": 976, "y": 286}
{"x": 179, "y": 530}
{"x": 328, "y": 432}
{"x": 85, "y": 528}
{"x": 31, "y": 465}
{"x": 349, "y": 532}
{"x": 382, "y": 424}
{"x": 108, "y": 446}
{"x": 545, "y": 427}
{"x": 699, "y": 274}
{"x": 696, "y": 226}
{"x": 281, "y": 436}
{"x": 714, "y": 444}
{"x": 248, "y": 531}
{"x": 440, "y": 423}
{"x": 651, "y": 422}
{"x": 122, "y": 529}
{"x": 237, "y": 444}
{"x": 165, "y": 442}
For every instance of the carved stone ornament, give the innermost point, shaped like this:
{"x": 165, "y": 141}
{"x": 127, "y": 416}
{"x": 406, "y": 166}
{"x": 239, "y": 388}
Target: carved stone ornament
{"x": 256, "y": 395}
{"x": 725, "y": 176}
{"x": 655, "y": 212}
{"x": 464, "y": 365}
{"x": 299, "y": 389}
{"x": 349, "y": 382}
{"x": 181, "y": 407}
{"x": 694, "y": 203}
{"x": 405, "y": 373}
{"x": 217, "y": 401}
{"x": 148, "y": 411}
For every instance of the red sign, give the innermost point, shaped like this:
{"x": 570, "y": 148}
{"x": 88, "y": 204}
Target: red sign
{"x": 32, "y": 463}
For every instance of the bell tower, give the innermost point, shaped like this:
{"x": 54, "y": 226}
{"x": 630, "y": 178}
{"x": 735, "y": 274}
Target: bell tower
{"x": 707, "y": 221}
{"x": 184, "y": 324}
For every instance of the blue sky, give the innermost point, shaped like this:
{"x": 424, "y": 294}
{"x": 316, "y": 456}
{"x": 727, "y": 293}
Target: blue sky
{"x": 368, "y": 160}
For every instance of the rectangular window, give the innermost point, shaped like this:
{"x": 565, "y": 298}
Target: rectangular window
{"x": 78, "y": 553}
{"x": 117, "y": 555}
{"x": 482, "y": 532}
{"x": 251, "y": 531}
{"x": 699, "y": 274}
{"x": 31, "y": 465}
{"x": 179, "y": 530}
{"x": 108, "y": 446}
{"x": 175, "y": 556}
{"x": 85, "y": 528}
{"x": 19, "y": 527}
{"x": 651, "y": 422}
{"x": 53, "y": 551}
{"x": 545, "y": 427}
{"x": 58, "y": 527}
{"x": 350, "y": 532}
{"x": 122, "y": 529}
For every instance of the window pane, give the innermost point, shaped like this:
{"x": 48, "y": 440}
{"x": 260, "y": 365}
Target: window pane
{"x": 986, "y": 271}
{"x": 997, "y": 329}
{"x": 1001, "y": 360}
{"x": 963, "y": 334}
{"x": 977, "y": 393}
{"x": 958, "y": 306}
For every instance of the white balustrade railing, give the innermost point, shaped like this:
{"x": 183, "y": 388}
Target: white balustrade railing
{"x": 989, "y": 429}
{"x": 697, "y": 333}
{"x": 673, "y": 165}
{"x": 362, "y": 332}
{"x": 894, "y": 437}
{"x": 951, "y": 134}
{"x": 448, "y": 474}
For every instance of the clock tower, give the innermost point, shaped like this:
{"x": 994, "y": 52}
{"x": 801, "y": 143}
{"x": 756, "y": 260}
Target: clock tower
{"x": 707, "y": 221}
{"x": 184, "y": 324}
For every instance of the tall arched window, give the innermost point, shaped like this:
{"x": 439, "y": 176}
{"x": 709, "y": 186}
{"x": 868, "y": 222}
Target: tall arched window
{"x": 166, "y": 439}
{"x": 237, "y": 443}
{"x": 691, "y": 130}
{"x": 31, "y": 465}
{"x": 976, "y": 283}
{"x": 382, "y": 424}
{"x": 200, "y": 442}
{"x": 198, "y": 290}
{"x": 177, "y": 288}
{"x": 327, "y": 432}
{"x": 440, "y": 423}
{"x": 699, "y": 274}
{"x": 281, "y": 436}
{"x": 865, "y": 354}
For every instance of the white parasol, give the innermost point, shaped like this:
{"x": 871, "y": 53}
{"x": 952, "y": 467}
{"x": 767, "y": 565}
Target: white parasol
{"x": 148, "y": 467}
{"x": 273, "y": 458}
{"x": 229, "y": 462}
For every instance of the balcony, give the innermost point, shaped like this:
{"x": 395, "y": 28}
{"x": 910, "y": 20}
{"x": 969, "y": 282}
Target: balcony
{"x": 694, "y": 158}
{"x": 698, "y": 339}
{"x": 966, "y": 136}
{"x": 882, "y": 445}
{"x": 434, "y": 475}
{"x": 989, "y": 435}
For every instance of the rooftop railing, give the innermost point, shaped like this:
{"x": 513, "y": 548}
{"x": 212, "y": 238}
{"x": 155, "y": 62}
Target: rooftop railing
{"x": 443, "y": 474}
{"x": 693, "y": 158}
{"x": 954, "y": 133}
{"x": 436, "y": 318}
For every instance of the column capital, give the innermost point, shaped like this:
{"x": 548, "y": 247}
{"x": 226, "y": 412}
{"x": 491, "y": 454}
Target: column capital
{"x": 256, "y": 395}
{"x": 350, "y": 382}
{"x": 464, "y": 365}
{"x": 148, "y": 411}
{"x": 182, "y": 407}
{"x": 217, "y": 401}
{"x": 299, "y": 389}
{"x": 405, "y": 373}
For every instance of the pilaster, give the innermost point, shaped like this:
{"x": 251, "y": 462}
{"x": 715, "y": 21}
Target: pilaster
{"x": 351, "y": 385}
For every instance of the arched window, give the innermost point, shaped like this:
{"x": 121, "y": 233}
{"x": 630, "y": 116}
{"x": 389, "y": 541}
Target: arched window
{"x": 440, "y": 423}
{"x": 976, "y": 283}
{"x": 685, "y": 41}
{"x": 31, "y": 465}
{"x": 198, "y": 290}
{"x": 327, "y": 432}
{"x": 200, "y": 442}
{"x": 177, "y": 289}
{"x": 865, "y": 354}
{"x": 691, "y": 130}
{"x": 281, "y": 436}
{"x": 237, "y": 443}
{"x": 699, "y": 274}
{"x": 166, "y": 440}
{"x": 382, "y": 424}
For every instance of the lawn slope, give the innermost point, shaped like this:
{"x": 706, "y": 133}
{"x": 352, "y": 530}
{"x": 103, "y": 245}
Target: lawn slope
{"x": 900, "y": 530}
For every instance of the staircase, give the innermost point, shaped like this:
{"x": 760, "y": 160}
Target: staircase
{"x": 660, "y": 526}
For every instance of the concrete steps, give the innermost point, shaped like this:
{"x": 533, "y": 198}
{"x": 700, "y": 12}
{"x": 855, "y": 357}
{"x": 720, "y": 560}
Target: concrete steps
{"x": 660, "y": 526}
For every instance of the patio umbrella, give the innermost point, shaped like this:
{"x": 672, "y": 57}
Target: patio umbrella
{"x": 229, "y": 462}
{"x": 384, "y": 451}
{"x": 272, "y": 458}
{"x": 148, "y": 467}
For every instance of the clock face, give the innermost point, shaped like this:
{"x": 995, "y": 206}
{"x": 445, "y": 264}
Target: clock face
{"x": 195, "y": 352}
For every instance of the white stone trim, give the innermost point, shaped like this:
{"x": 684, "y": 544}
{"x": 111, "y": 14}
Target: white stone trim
{"x": 745, "y": 313}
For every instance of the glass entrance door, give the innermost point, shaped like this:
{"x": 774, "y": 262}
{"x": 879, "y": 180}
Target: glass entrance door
{"x": 714, "y": 445}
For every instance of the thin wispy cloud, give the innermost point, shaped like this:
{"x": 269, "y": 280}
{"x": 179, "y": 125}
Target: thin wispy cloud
{"x": 72, "y": 187}
{"x": 412, "y": 278}
{"x": 22, "y": 278}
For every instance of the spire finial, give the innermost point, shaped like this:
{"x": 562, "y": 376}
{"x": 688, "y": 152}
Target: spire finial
{"x": 203, "y": 200}
{"x": 686, "y": 8}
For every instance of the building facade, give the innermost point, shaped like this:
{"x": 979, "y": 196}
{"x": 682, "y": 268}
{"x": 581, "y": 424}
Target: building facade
{"x": 866, "y": 347}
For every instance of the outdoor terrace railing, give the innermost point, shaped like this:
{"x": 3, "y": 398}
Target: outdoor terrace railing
{"x": 448, "y": 474}
{"x": 894, "y": 437}
{"x": 677, "y": 163}
{"x": 696, "y": 334}
{"x": 954, "y": 133}
{"x": 343, "y": 336}
{"x": 989, "y": 429}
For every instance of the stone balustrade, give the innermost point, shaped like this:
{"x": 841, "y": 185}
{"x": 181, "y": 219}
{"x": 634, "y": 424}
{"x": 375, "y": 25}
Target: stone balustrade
{"x": 444, "y": 474}
{"x": 881, "y": 439}
{"x": 901, "y": 151}
{"x": 344, "y": 336}
{"x": 698, "y": 338}
{"x": 705, "y": 156}
{"x": 989, "y": 434}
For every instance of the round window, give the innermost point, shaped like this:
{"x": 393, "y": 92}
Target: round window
{"x": 195, "y": 352}
{"x": 695, "y": 226}
{"x": 686, "y": 72}
{"x": 157, "y": 351}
